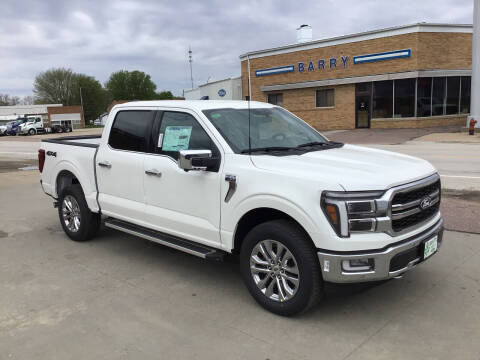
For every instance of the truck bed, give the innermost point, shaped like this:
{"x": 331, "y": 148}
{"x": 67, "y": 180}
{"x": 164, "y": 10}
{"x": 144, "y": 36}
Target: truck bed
{"x": 75, "y": 154}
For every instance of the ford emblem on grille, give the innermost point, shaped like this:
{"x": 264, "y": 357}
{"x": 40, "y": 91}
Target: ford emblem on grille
{"x": 426, "y": 202}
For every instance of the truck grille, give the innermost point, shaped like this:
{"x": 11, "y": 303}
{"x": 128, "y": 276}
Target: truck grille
{"x": 412, "y": 207}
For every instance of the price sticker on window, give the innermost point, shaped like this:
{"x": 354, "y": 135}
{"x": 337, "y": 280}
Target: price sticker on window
{"x": 176, "y": 138}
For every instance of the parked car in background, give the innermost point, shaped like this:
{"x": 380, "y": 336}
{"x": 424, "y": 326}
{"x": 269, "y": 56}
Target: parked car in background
{"x": 13, "y": 127}
{"x": 63, "y": 127}
{"x": 3, "y": 130}
{"x": 101, "y": 120}
{"x": 37, "y": 126}
{"x": 33, "y": 126}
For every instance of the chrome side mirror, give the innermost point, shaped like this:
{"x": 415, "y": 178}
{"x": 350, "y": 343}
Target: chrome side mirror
{"x": 194, "y": 159}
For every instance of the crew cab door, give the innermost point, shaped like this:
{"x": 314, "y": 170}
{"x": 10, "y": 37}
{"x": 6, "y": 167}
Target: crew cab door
{"x": 119, "y": 165}
{"x": 180, "y": 203}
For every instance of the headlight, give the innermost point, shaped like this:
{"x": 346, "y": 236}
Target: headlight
{"x": 352, "y": 211}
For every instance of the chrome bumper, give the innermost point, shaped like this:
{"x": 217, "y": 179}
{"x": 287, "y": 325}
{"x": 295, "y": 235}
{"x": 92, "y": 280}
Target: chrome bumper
{"x": 331, "y": 262}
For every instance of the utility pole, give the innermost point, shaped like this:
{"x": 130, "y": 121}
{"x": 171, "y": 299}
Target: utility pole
{"x": 190, "y": 61}
{"x": 475, "y": 92}
{"x": 81, "y": 103}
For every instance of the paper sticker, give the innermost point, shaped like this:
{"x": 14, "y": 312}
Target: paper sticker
{"x": 176, "y": 138}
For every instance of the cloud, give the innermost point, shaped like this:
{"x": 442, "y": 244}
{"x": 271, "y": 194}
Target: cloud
{"x": 100, "y": 37}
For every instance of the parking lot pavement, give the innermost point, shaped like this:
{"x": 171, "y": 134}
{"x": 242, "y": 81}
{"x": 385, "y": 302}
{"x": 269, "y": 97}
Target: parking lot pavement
{"x": 121, "y": 297}
{"x": 457, "y": 163}
{"x": 385, "y": 136}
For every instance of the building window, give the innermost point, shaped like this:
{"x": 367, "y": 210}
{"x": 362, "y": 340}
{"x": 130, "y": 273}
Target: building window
{"x": 438, "y": 95}
{"x": 275, "y": 99}
{"x": 453, "y": 95}
{"x": 325, "y": 98}
{"x": 424, "y": 97}
{"x": 404, "y": 91}
{"x": 465, "y": 89}
{"x": 382, "y": 99}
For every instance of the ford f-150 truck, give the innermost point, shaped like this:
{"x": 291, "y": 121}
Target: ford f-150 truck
{"x": 212, "y": 178}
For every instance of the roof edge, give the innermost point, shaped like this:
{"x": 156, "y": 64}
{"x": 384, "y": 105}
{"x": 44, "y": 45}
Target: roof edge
{"x": 361, "y": 36}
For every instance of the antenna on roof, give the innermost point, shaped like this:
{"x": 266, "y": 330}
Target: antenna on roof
{"x": 190, "y": 62}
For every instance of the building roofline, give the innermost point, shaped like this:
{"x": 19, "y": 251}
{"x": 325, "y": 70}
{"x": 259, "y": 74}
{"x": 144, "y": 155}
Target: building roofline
{"x": 367, "y": 35}
{"x": 217, "y": 81}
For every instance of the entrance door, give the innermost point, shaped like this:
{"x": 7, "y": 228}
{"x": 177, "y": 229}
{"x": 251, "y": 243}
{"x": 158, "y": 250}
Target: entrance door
{"x": 363, "y": 100}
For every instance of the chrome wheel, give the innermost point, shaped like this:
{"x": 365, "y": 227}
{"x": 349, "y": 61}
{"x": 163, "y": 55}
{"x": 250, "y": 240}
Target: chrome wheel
{"x": 71, "y": 213}
{"x": 274, "y": 270}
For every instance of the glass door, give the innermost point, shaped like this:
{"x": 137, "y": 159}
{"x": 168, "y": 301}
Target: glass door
{"x": 363, "y": 100}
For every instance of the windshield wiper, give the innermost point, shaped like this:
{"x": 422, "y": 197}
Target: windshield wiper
{"x": 318, "y": 143}
{"x": 313, "y": 143}
{"x": 267, "y": 149}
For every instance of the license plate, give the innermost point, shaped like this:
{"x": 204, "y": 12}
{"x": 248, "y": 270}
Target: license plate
{"x": 430, "y": 247}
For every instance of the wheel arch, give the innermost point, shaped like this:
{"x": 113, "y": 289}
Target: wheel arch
{"x": 258, "y": 216}
{"x": 65, "y": 178}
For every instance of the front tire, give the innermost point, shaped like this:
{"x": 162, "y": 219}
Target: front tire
{"x": 31, "y": 132}
{"x": 78, "y": 222}
{"x": 280, "y": 268}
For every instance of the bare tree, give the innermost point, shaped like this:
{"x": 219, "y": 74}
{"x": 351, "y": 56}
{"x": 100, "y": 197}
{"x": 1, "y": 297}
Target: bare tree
{"x": 6, "y": 100}
{"x": 27, "y": 100}
{"x": 55, "y": 86}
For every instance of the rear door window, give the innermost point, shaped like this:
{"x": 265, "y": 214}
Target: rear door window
{"x": 131, "y": 130}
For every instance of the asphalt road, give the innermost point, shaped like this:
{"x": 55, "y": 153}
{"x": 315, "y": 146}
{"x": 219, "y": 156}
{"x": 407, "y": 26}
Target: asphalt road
{"x": 119, "y": 297}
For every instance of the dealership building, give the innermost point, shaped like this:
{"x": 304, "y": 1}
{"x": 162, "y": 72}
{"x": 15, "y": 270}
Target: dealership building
{"x": 403, "y": 77}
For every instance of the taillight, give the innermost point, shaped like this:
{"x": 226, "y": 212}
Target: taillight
{"x": 41, "y": 159}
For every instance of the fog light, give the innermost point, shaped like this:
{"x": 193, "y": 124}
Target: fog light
{"x": 355, "y": 265}
{"x": 362, "y": 224}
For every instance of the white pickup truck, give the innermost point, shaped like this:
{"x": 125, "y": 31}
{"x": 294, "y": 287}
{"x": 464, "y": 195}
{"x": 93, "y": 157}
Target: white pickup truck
{"x": 213, "y": 178}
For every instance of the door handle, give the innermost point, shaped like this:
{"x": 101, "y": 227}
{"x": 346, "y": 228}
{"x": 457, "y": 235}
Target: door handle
{"x": 106, "y": 164}
{"x": 153, "y": 172}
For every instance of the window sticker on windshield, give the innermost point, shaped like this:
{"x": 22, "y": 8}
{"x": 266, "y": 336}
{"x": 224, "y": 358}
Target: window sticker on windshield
{"x": 176, "y": 138}
{"x": 216, "y": 116}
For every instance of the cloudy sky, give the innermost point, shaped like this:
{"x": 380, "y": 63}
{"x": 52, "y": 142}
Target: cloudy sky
{"x": 102, "y": 36}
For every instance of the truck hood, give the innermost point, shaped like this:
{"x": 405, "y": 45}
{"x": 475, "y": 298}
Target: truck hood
{"x": 355, "y": 168}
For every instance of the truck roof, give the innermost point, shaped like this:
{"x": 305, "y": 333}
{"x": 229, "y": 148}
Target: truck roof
{"x": 197, "y": 104}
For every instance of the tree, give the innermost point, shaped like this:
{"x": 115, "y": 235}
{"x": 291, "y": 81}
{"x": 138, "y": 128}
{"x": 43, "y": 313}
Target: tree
{"x": 6, "y": 99}
{"x": 164, "y": 95}
{"x": 94, "y": 97}
{"x": 131, "y": 85}
{"x": 55, "y": 86}
{"x": 63, "y": 86}
{"x": 27, "y": 100}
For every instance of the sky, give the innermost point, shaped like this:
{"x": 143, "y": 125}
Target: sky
{"x": 103, "y": 36}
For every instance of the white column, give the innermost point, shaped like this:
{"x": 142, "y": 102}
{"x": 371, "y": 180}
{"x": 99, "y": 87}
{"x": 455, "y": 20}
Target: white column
{"x": 475, "y": 97}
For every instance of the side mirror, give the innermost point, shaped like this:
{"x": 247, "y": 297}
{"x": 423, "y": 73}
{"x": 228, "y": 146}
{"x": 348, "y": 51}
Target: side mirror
{"x": 195, "y": 159}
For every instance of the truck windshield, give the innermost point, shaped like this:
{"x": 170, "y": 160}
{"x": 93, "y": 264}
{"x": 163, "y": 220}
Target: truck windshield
{"x": 270, "y": 128}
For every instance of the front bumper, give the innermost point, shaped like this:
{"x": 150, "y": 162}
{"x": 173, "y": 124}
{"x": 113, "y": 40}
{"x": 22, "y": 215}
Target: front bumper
{"x": 406, "y": 255}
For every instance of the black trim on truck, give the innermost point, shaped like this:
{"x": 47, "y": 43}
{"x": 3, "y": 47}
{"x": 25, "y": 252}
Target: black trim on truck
{"x": 65, "y": 140}
{"x": 190, "y": 247}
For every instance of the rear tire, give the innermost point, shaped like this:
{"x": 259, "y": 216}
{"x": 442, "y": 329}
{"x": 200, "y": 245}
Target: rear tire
{"x": 284, "y": 276}
{"x": 78, "y": 222}
{"x": 31, "y": 132}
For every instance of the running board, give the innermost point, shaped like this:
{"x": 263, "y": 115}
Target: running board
{"x": 174, "y": 242}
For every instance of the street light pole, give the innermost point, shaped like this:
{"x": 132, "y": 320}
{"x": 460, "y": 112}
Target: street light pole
{"x": 475, "y": 92}
{"x": 81, "y": 103}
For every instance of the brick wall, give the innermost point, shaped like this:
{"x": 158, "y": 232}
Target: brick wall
{"x": 429, "y": 51}
{"x": 66, "y": 110}
{"x": 445, "y": 120}
{"x": 341, "y": 116}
